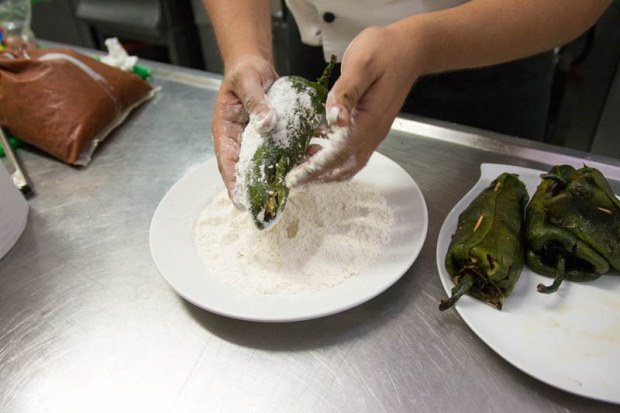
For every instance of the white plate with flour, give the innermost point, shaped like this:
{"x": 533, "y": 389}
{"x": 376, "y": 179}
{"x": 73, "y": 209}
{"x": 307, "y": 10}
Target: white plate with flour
{"x": 569, "y": 339}
{"x": 174, "y": 250}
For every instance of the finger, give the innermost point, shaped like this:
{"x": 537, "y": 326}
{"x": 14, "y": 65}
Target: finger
{"x": 227, "y": 154}
{"x": 355, "y": 79}
{"x": 304, "y": 173}
{"x": 229, "y": 119}
{"x": 335, "y": 152}
{"x": 253, "y": 97}
{"x": 344, "y": 173}
{"x": 264, "y": 119}
{"x": 344, "y": 170}
{"x": 311, "y": 150}
{"x": 321, "y": 132}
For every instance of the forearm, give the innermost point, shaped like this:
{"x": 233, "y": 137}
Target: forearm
{"x": 242, "y": 27}
{"x": 486, "y": 32}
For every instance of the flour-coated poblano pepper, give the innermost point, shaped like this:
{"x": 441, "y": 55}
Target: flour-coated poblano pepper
{"x": 300, "y": 106}
{"x": 486, "y": 254}
{"x": 572, "y": 226}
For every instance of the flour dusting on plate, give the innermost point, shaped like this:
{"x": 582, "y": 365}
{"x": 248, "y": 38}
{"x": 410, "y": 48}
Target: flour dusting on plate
{"x": 328, "y": 233}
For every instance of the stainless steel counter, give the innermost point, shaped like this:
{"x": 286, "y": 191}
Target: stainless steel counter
{"x": 88, "y": 324}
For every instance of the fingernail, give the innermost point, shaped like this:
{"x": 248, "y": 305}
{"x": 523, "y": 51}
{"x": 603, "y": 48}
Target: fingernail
{"x": 265, "y": 121}
{"x": 236, "y": 197}
{"x": 297, "y": 176}
{"x": 291, "y": 179}
{"x": 332, "y": 115}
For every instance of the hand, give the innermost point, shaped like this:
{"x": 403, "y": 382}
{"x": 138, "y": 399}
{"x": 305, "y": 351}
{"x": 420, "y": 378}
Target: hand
{"x": 241, "y": 97}
{"x": 378, "y": 70}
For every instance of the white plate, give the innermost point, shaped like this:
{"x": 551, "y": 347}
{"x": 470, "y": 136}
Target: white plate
{"x": 569, "y": 339}
{"x": 175, "y": 254}
{"x": 14, "y": 212}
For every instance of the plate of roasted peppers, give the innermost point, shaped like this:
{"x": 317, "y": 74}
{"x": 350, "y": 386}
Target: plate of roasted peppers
{"x": 530, "y": 259}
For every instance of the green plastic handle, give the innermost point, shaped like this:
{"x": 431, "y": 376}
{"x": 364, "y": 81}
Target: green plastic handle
{"x": 14, "y": 142}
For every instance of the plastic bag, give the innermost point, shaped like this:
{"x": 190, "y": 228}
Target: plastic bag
{"x": 63, "y": 102}
{"x": 15, "y": 32}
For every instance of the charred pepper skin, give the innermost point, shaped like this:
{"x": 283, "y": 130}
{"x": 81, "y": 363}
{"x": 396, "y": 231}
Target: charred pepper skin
{"x": 486, "y": 254}
{"x": 266, "y": 190}
{"x": 589, "y": 209}
{"x": 573, "y": 226}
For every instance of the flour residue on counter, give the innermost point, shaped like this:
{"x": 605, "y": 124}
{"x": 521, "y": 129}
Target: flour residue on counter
{"x": 328, "y": 233}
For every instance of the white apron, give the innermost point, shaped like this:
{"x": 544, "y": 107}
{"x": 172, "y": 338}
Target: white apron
{"x": 334, "y": 23}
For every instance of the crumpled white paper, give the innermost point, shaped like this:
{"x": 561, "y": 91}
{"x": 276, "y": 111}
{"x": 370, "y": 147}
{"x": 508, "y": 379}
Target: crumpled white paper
{"x": 117, "y": 56}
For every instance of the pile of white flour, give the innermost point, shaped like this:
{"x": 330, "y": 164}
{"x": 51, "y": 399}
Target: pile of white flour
{"x": 328, "y": 233}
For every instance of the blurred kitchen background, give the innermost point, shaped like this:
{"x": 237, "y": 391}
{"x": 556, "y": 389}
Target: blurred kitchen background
{"x": 585, "y": 109}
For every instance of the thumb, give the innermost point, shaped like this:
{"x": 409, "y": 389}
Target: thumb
{"x": 262, "y": 115}
{"x": 343, "y": 98}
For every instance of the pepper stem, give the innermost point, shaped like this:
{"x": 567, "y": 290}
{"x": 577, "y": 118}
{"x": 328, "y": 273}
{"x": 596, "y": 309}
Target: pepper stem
{"x": 559, "y": 277}
{"x": 555, "y": 177}
{"x": 324, "y": 79}
{"x": 458, "y": 290}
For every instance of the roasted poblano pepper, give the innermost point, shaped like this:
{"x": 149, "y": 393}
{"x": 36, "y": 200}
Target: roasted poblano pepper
{"x": 284, "y": 146}
{"x": 572, "y": 226}
{"x": 486, "y": 253}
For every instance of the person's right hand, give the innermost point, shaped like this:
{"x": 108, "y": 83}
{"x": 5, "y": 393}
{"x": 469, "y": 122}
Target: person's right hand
{"x": 241, "y": 97}
{"x": 378, "y": 70}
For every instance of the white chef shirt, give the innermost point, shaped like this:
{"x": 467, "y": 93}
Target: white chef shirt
{"x": 334, "y": 23}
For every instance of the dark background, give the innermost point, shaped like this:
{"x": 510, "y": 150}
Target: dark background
{"x": 585, "y": 104}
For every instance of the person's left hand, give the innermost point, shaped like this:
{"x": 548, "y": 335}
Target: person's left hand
{"x": 377, "y": 74}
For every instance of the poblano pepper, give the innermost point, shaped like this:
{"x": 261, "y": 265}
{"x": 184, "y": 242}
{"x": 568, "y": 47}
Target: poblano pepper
{"x": 573, "y": 226}
{"x": 485, "y": 256}
{"x": 300, "y": 105}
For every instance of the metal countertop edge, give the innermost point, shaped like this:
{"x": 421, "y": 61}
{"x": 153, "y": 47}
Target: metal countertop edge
{"x": 506, "y": 145}
{"x": 192, "y": 77}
